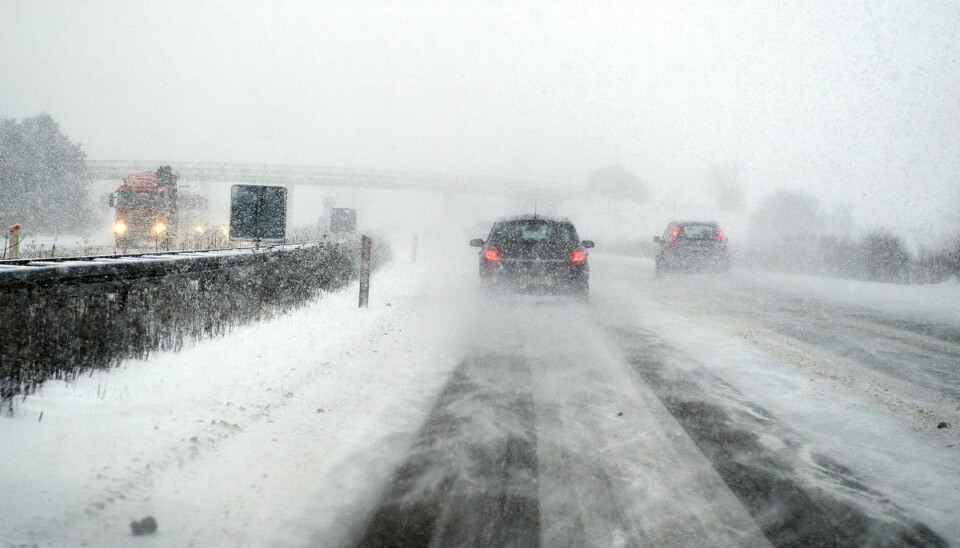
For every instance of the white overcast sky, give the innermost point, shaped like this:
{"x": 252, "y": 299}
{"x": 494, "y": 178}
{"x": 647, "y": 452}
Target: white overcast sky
{"x": 854, "y": 101}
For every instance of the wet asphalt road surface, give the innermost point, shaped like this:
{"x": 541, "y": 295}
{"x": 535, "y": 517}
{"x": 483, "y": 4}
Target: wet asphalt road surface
{"x": 922, "y": 354}
{"x": 465, "y": 483}
{"x": 473, "y": 477}
{"x": 542, "y": 440}
{"x": 561, "y": 429}
{"x": 763, "y": 479}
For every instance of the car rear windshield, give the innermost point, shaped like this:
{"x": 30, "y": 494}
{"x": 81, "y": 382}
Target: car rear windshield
{"x": 699, "y": 232}
{"x": 531, "y": 232}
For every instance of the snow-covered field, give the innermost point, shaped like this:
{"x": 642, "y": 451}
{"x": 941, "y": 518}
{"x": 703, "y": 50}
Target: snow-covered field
{"x": 217, "y": 441}
{"x": 274, "y": 433}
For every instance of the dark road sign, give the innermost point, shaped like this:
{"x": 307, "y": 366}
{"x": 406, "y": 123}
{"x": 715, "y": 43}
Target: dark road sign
{"x": 258, "y": 212}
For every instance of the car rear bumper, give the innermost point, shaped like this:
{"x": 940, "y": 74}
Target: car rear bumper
{"x": 716, "y": 260}
{"x": 540, "y": 277}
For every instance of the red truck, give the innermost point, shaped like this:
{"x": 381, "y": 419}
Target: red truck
{"x": 148, "y": 209}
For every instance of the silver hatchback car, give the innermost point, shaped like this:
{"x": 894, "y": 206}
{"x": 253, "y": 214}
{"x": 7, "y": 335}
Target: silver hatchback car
{"x": 692, "y": 246}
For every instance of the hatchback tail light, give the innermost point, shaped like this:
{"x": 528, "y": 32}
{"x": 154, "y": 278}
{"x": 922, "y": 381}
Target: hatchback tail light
{"x": 578, "y": 257}
{"x": 674, "y": 235}
{"x": 491, "y": 255}
{"x": 721, "y": 237}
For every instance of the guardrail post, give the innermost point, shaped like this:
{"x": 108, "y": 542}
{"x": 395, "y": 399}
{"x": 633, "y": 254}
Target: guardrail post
{"x": 365, "y": 245}
{"x": 13, "y": 248}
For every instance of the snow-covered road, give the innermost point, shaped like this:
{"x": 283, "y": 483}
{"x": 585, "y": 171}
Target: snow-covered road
{"x": 749, "y": 409}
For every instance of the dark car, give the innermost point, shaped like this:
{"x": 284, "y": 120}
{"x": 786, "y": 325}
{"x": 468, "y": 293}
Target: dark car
{"x": 692, "y": 246}
{"x": 535, "y": 254}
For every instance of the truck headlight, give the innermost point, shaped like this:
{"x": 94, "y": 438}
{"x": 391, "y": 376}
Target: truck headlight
{"x": 120, "y": 227}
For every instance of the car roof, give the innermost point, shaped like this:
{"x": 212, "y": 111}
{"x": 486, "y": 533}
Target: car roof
{"x": 534, "y": 218}
{"x": 683, "y": 223}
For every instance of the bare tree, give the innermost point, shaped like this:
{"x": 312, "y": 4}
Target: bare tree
{"x": 887, "y": 258}
{"x": 42, "y": 176}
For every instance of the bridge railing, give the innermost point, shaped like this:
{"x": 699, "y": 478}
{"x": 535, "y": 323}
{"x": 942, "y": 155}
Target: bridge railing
{"x": 325, "y": 176}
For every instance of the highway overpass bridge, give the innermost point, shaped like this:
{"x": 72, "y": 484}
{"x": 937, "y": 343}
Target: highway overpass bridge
{"x": 293, "y": 175}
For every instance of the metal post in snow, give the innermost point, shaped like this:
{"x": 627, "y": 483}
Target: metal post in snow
{"x": 365, "y": 245}
{"x": 13, "y": 251}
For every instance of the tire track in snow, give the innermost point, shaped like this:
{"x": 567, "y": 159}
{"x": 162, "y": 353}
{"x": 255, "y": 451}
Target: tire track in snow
{"x": 907, "y": 366}
{"x": 541, "y": 437}
{"x": 791, "y": 510}
{"x": 471, "y": 478}
{"x": 615, "y": 468}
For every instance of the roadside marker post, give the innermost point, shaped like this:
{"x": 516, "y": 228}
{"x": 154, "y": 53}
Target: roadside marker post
{"x": 13, "y": 249}
{"x": 365, "y": 245}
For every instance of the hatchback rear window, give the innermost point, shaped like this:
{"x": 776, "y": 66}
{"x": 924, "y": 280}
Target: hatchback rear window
{"x": 531, "y": 232}
{"x": 699, "y": 232}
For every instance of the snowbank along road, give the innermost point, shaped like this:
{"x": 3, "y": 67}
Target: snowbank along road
{"x": 742, "y": 410}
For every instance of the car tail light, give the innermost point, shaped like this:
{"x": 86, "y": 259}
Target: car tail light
{"x": 674, "y": 235}
{"x": 578, "y": 257}
{"x": 721, "y": 236}
{"x": 491, "y": 255}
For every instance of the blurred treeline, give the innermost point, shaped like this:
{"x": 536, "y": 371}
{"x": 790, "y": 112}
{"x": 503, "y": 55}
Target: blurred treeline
{"x": 794, "y": 231}
{"x": 42, "y": 177}
{"x": 878, "y": 256}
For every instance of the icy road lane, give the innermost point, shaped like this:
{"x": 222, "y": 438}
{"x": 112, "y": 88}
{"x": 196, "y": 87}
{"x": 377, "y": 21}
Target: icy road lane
{"x": 542, "y": 436}
{"x": 747, "y": 410}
